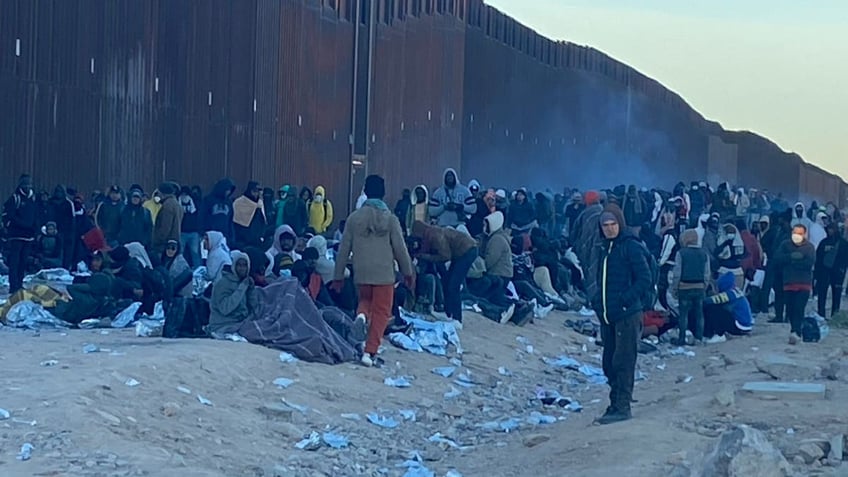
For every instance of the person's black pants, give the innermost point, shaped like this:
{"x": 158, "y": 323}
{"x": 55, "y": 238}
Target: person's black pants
{"x": 529, "y": 291}
{"x": 621, "y": 342}
{"x": 691, "y": 302}
{"x": 718, "y": 321}
{"x": 829, "y": 279}
{"x": 453, "y": 281}
{"x": 796, "y": 303}
{"x": 490, "y": 288}
{"x": 19, "y": 252}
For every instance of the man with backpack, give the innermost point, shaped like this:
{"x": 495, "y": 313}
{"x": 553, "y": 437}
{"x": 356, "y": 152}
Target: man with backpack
{"x": 20, "y": 220}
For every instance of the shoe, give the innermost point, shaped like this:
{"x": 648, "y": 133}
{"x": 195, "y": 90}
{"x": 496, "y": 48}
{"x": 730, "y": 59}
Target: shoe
{"x": 613, "y": 417}
{"x": 716, "y": 339}
{"x": 507, "y": 314}
{"x": 366, "y": 360}
{"x": 794, "y": 338}
{"x": 522, "y": 315}
{"x": 359, "y": 328}
{"x": 542, "y": 311}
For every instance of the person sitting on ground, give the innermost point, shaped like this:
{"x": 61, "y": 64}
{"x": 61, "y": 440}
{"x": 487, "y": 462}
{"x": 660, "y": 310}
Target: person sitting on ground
{"x": 233, "y": 297}
{"x": 304, "y": 271}
{"x": 127, "y": 282}
{"x": 178, "y": 269}
{"x": 690, "y": 277}
{"x": 259, "y": 264}
{"x": 282, "y": 253}
{"x": 49, "y": 247}
{"x": 522, "y": 216}
{"x": 218, "y": 255}
{"x": 728, "y": 311}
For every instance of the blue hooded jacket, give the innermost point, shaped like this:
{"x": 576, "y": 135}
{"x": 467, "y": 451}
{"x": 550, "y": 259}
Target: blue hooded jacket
{"x": 735, "y": 301}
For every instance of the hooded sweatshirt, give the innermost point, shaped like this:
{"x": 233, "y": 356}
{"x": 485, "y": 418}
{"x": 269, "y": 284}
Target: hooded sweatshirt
{"x": 373, "y": 241}
{"x": 441, "y": 244}
{"x": 324, "y": 266}
{"x": 800, "y": 218}
{"x": 62, "y": 211}
{"x": 475, "y": 222}
{"x": 136, "y": 225}
{"x": 497, "y": 251}
{"x": 294, "y": 211}
{"x": 817, "y": 231}
{"x": 521, "y": 214}
{"x": 233, "y": 299}
{"x": 277, "y": 249}
{"x": 107, "y": 216}
{"x": 320, "y": 211}
{"x": 730, "y": 249}
{"x": 217, "y": 210}
{"x": 450, "y": 205}
{"x": 249, "y": 219}
{"x": 218, "y": 257}
{"x": 734, "y": 300}
{"x": 420, "y": 210}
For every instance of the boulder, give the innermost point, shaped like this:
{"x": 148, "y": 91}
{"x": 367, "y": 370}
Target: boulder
{"x": 743, "y": 452}
{"x": 784, "y": 369}
{"x": 726, "y": 397}
{"x": 811, "y": 452}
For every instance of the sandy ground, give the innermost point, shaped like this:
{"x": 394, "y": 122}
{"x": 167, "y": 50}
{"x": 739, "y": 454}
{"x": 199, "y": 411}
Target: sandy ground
{"x": 84, "y": 420}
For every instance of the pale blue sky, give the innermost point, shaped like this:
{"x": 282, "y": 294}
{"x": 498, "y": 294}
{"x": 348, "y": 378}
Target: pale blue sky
{"x": 775, "y": 67}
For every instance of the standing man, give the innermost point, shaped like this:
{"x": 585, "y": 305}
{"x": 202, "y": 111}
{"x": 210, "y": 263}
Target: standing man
{"x": 20, "y": 220}
{"x": 831, "y": 262}
{"x": 168, "y": 225}
{"x": 373, "y": 241}
{"x": 452, "y": 202}
{"x": 796, "y": 258}
{"x": 623, "y": 279}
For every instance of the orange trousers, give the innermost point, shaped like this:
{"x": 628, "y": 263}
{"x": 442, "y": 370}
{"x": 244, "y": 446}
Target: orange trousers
{"x": 375, "y": 302}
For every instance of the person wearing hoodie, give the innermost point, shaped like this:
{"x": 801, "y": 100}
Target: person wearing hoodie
{"x": 800, "y": 216}
{"x": 62, "y": 213}
{"x": 169, "y": 222}
{"x": 698, "y": 200}
{"x": 587, "y": 241}
{"x": 20, "y": 222}
{"x": 743, "y": 204}
{"x": 452, "y": 202}
{"x": 49, "y": 247}
{"x": 294, "y": 211}
{"x": 136, "y": 224}
{"x": 817, "y": 231}
{"x": 796, "y": 258}
{"x": 778, "y": 232}
{"x": 728, "y": 311}
{"x": 440, "y": 245}
{"x": 402, "y": 208}
{"x": 623, "y": 278}
{"x": 320, "y": 211}
{"x": 730, "y": 252}
{"x": 420, "y": 209}
{"x": 218, "y": 254}
{"x": 689, "y": 284}
{"x": 107, "y": 216}
{"x": 572, "y": 211}
{"x": 634, "y": 208}
{"x": 234, "y": 297}
{"x": 831, "y": 263}
{"x": 216, "y": 213}
{"x": 373, "y": 242}
{"x": 190, "y": 227}
{"x": 522, "y": 216}
{"x": 282, "y": 255}
{"x": 753, "y": 260}
{"x": 179, "y": 271}
{"x": 153, "y": 204}
{"x": 249, "y": 217}
{"x": 475, "y": 221}
{"x": 544, "y": 208}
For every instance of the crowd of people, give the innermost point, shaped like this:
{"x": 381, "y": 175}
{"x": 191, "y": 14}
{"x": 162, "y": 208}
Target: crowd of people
{"x": 699, "y": 260}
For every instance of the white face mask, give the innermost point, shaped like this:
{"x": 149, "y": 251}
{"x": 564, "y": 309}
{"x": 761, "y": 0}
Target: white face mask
{"x": 319, "y": 198}
{"x": 157, "y": 199}
{"x": 797, "y": 239}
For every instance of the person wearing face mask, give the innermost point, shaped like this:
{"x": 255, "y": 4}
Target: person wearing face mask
{"x": 20, "y": 220}
{"x": 796, "y": 258}
{"x": 320, "y": 211}
{"x": 154, "y": 205}
{"x": 831, "y": 263}
{"x": 730, "y": 253}
{"x": 168, "y": 225}
{"x": 234, "y": 297}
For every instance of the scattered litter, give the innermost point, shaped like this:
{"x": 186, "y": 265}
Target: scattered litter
{"x": 184, "y": 390}
{"x": 680, "y": 351}
{"x": 438, "y": 438}
{"x": 117, "y": 353}
{"x": 415, "y": 468}
{"x": 684, "y": 379}
{"x": 49, "y": 363}
{"x": 444, "y": 371}
{"x": 754, "y": 348}
{"x": 21, "y": 421}
{"x": 132, "y": 382}
{"x": 89, "y": 324}
{"x": 586, "y": 312}
{"x": 562, "y": 362}
{"x": 453, "y": 473}
{"x": 504, "y": 372}
{"x": 508, "y": 425}
{"x": 529, "y": 349}
{"x": 149, "y": 328}
{"x": 790, "y": 431}
{"x": 351, "y": 416}
{"x": 335, "y": 441}
{"x": 408, "y": 414}
{"x": 661, "y": 367}
{"x": 4, "y": 414}
{"x": 465, "y": 380}
{"x": 452, "y": 393}
{"x": 287, "y": 358}
{"x": 522, "y": 340}
{"x": 456, "y": 362}
{"x": 296, "y": 407}
{"x": 204, "y": 401}
{"x": 283, "y": 383}
{"x": 398, "y": 382}
{"x": 640, "y": 376}
{"x": 90, "y": 348}
{"x": 126, "y": 316}
{"x": 404, "y": 342}
{"x": 538, "y": 418}
{"x": 382, "y": 421}
{"x": 435, "y": 337}
{"x": 26, "y": 451}
{"x": 235, "y": 337}
{"x": 311, "y": 443}
{"x": 104, "y": 332}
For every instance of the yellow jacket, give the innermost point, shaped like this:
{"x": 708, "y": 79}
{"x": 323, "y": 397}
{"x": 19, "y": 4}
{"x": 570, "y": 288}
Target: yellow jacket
{"x": 320, "y": 213}
{"x": 154, "y": 208}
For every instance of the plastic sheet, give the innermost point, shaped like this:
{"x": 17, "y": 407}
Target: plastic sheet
{"x": 398, "y": 382}
{"x": 382, "y": 421}
{"x": 149, "y": 328}
{"x": 50, "y": 275}
{"x": 126, "y": 316}
{"x": 434, "y": 338}
{"x": 30, "y": 315}
{"x": 198, "y": 282}
{"x": 444, "y": 371}
{"x": 336, "y": 441}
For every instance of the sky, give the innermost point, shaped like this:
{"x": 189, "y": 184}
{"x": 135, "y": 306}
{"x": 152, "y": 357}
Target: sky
{"x": 775, "y": 67}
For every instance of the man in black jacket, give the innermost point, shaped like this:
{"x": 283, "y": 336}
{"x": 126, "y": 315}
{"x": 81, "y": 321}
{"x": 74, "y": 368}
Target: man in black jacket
{"x": 831, "y": 262}
{"x": 624, "y": 279}
{"x": 20, "y": 219}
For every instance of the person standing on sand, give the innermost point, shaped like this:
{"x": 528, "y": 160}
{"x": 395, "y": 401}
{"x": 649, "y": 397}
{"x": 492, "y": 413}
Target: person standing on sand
{"x": 796, "y": 258}
{"x": 373, "y": 241}
{"x": 623, "y": 278}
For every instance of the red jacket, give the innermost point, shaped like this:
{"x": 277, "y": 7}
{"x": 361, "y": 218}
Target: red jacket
{"x": 754, "y": 260}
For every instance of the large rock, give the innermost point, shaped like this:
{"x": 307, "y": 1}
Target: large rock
{"x": 784, "y": 369}
{"x": 726, "y": 397}
{"x": 744, "y": 452}
{"x": 837, "y": 445}
{"x": 811, "y": 452}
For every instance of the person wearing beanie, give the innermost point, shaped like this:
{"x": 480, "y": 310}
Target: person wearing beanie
{"x": 168, "y": 225}
{"x": 452, "y": 203}
{"x": 689, "y": 284}
{"x": 136, "y": 222}
{"x": 572, "y": 211}
{"x": 128, "y": 278}
{"x": 373, "y": 241}
{"x": 20, "y": 221}
{"x": 584, "y": 236}
{"x": 624, "y": 278}
{"x": 107, "y": 215}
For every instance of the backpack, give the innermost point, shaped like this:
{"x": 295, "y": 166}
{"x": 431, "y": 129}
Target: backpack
{"x": 9, "y": 210}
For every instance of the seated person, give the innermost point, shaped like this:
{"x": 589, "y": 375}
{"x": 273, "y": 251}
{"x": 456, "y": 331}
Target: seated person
{"x": 233, "y": 297}
{"x": 282, "y": 254}
{"x": 497, "y": 258}
{"x": 91, "y": 299}
{"x": 127, "y": 282}
{"x": 524, "y": 273}
{"x": 728, "y": 311}
{"x": 218, "y": 255}
{"x": 178, "y": 269}
{"x": 258, "y": 266}
{"x": 49, "y": 247}
{"x": 304, "y": 271}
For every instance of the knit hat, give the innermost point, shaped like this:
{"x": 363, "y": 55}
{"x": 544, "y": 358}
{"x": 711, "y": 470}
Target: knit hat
{"x": 592, "y": 197}
{"x": 375, "y": 187}
{"x": 501, "y": 193}
{"x": 608, "y": 217}
{"x": 119, "y": 256}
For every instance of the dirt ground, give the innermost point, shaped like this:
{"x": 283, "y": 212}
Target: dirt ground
{"x": 83, "y": 418}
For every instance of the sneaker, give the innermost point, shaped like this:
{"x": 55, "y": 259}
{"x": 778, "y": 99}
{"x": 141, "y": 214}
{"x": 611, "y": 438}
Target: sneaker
{"x": 542, "y": 311}
{"x": 366, "y": 360}
{"x": 507, "y": 314}
{"x": 716, "y": 339}
{"x": 359, "y": 328}
{"x": 793, "y": 338}
{"x": 613, "y": 417}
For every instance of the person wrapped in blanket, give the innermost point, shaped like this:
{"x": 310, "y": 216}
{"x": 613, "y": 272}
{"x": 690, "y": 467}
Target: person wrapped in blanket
{"x": 728, "y": 311}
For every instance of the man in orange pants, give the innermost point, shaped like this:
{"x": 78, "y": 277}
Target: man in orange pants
{"x": 373, "y": 241}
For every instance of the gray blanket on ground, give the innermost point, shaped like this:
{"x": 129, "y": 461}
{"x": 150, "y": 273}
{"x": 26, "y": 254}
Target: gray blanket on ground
{"x": 287, "y": 319}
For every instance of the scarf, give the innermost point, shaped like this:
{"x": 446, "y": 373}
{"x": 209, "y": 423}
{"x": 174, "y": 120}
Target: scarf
{"x": 244, "y": 209}
{"x": 188, "y": 204}
{"x": 376, "y": 203}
